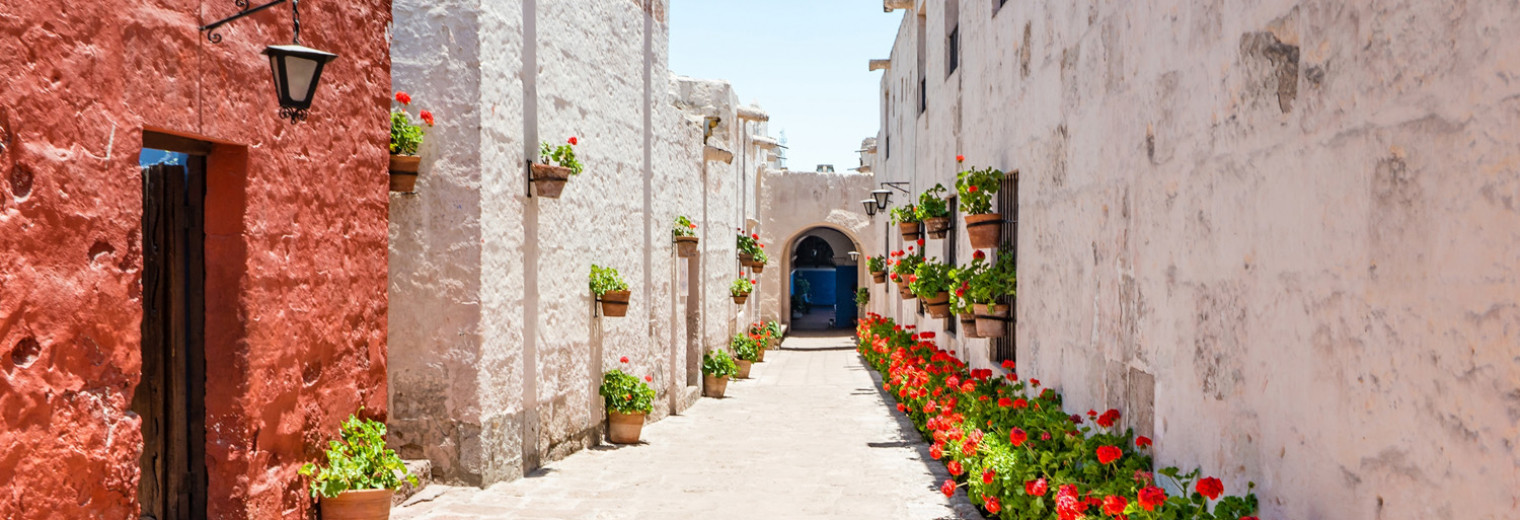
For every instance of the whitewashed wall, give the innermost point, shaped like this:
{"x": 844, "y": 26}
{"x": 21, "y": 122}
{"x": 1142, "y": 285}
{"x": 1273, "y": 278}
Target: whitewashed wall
{"x": 1280, "y": 235}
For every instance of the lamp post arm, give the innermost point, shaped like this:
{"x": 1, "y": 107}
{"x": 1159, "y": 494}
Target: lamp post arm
{"x": 210, "y": 28}
{"x": 897, "y": 186}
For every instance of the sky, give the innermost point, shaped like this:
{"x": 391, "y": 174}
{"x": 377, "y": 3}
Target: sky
{"x": 803, "y": 61}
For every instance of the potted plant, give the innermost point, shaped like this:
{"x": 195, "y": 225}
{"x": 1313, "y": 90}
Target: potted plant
{"x": 361, "y": 474}
{"x": 740, "y": 290}
{"x": 684, "y": 232}
{"x": 977, "y": 187}
{"x": 903, "y": 269}
{"x": 746, "y": 351}
{"x": 906, "y": 218}
{"x": 406, "y": 137}
{"x": 611, "y": 291}
{"x": 933, "y": 211}
{"x": 717, "y": 367}
{"x": 554, "y": 167}
{"x": 930, "y": 281}
{"x": 757, "y": 263}
{"x": 877, "y": 265}
{"x": 629, "y": 400}
{"x": 985, "y": 290}
{"x": 765, "y": 339}
{"x": 960, "y": 302}
{"x": 748, "y": 247}
{"x": 862, "y": 297}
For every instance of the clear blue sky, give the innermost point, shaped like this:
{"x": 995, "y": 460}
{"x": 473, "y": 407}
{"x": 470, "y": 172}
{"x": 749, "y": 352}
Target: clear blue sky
{"x": 804, "y": 61}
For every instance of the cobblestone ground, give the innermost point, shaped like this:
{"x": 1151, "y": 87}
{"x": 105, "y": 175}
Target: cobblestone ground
{"x": 810, "y": 437}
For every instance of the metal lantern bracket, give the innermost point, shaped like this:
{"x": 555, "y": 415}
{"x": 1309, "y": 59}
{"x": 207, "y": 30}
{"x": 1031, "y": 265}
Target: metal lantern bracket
{"x": 245, "y": 10}
{"x": 897, "y": 186}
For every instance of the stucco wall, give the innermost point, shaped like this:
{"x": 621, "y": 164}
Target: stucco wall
{"x": 498, "y": 352}
{"x": 791, "y": 203}
{"x": 1295, "y": 218}
{"x": 295, "y": 246}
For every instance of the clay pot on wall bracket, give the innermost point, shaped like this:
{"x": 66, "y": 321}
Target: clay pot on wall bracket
{"x": 549, "y": 180}
{"x": 714, "y": 386}
{"x": 905, "y": 293}
{"x": 686, "y": 247}
{"x": 404, "y": 172}
{"x": 879, "y": 276}
{"x": 739, "y": 299}
{"x": 615, "y": 303}
{"x": 937, "y": 226}
{"x": 757, "y": 267}
{"x": 939, "y": 305}
{"x": 624, "y": 428}
{"x": 968, "y": 326}
{"x": 990, "y": 320}
{"x": 984, "y": 230}
{"x": 744, "y": 367}
{"x": 746, "y": 260}
{"x": 909, "y": 230}
{"x": 366, "y": 504}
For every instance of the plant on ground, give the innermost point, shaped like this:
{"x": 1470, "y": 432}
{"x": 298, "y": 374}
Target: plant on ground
{"x": 862, "y": 297}
{"x": 626, "y": 393}
{"x": 932, "y": 204}
{"x": 904, "y": 266}
{"x": 904, "y": 214}
{"x": 683, "y": 227}
{"x": 976, "y": 188}
{"x": 741, "y": 287}
{"x": 994, "y": 282}
{"x": 606, "y": 279}
{"x": 358, "y": 461}
{"x": 1018, "y": 454}
{"x": 717, "y": 363}
{"x": 746, "y": 347}
{"x": 406, "y": 136}
{"x": 876, "y": 264}
{"x": 562, "y": 155}
{"x": 929, "y": 279}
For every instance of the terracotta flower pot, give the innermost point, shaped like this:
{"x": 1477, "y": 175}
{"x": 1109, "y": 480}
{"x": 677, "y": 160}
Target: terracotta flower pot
{"x": 739, "y": 299}
{"x": 615, "y": 303}
{"x": 879, "y": 276}
{"x": 367, "y": 504}
{"x": 404, "y": 172}
{"x": 686, "y": 247}
{"x": 624, "y": 428}
{"x": 760, "y": 358}
{"x": 968, "y": 326}
{"x": 744, "y": 367}
{"x": 714, "y": 386}
{"x": 985, "y": 231}
{"x": 549, "y": 180}
{"x": 757, "y": 267}
{"x": 938, "y": 305}
{"x": 990, "y": 320}
{"x": 746, "y": 260}
{"x": 909, "y": 230}
{"x": 937, "y": 226}
{"x": 906, "y": 294}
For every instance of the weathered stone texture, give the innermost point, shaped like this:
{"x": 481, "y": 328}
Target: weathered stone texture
{"x": 1296, "y": 218}
{"x": 295, "y": 246}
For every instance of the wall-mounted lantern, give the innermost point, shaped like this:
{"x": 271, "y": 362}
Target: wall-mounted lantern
{"x": 297, "y": 69}
{"x": 870, "y": 205}
{"x": 854, "y": 256}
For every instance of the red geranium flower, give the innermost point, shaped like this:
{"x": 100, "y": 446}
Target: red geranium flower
{"x": 1151, "y": 496}
{"x": 971, "y": 189}
{"x": 648, "y": 379}
{"x": 927, "y": 335}
{"x": 955, "y": 467}
{"x": 1035, "y": 382}
{"x": 1249, "y": 518}
{"x": 755, "y": 236}
{"x": 1068, "y": 505}
{"x": 624, "y": 360}
{"x": 1114, "y": 504}
{"x": 404, "y": 98}
{"x": 1021, "y": 403}
{"x": 1005, "y": 402}
{"x": 1009, "y": 363}
{"x": 992, "y": 505}
{"x": 1107, "y": 454}
{"x": 960, "y": 158}
{"x": 920, "y": 241}
{"x": 1142, "y": 441}
{"x": 1018, "y": 436}
{"x": 987, "y": 476}
{"x": 1036, "y": 487}
{"x": 1108, "y": 418}
{"x": 573, "y": 141}
{"x": 427, "y": 117}
{"x": 900, "y": 407}
{"x": 948, "y": 488}
{"x": 1044, "y": 436}
{"x": 936, "y": 452}
{"x": 1210, "y": 487}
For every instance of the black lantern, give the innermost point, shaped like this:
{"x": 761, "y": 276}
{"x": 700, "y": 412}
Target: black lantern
{"x": 883, "y": 198}
{"x": 297, "y": 70}
{"x": 870, "y": 205}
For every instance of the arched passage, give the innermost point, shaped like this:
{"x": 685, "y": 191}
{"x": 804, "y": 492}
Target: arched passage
{"x": 820, "y": 279}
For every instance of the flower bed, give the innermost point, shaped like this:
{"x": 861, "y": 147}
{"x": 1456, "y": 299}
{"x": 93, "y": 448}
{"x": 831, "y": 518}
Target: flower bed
{"x": 1018, "y": 454}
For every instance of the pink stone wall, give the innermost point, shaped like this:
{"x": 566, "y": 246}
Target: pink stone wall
{"x": 295, "y": 246}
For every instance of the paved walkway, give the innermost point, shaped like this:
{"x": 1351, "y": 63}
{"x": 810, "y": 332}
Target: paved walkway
{"x": 809, "y": 438}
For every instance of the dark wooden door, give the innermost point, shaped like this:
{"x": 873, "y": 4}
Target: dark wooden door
{"x": 171, "y": 396}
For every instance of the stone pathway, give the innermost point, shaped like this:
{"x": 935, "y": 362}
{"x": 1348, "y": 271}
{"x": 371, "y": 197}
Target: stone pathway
{"x": 810, "y": 437}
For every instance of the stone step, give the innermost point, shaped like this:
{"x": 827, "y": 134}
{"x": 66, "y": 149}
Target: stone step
{"x": 423, "y": 470}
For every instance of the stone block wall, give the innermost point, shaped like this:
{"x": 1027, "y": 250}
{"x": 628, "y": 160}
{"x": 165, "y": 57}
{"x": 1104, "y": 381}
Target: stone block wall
{"x": 1279, "y": 235}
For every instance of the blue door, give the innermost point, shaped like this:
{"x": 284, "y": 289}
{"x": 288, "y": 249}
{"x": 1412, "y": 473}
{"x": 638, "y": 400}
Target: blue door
{"x": 844, "y": 310}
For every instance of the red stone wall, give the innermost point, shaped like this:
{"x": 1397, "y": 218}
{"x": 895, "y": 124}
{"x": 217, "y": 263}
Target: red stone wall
{"x": 295, "y": 247}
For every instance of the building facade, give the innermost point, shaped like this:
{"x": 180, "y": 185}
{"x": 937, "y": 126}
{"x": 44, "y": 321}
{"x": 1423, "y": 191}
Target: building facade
{"x": 1279, "y": 236}
{"x": 193, "y": 288}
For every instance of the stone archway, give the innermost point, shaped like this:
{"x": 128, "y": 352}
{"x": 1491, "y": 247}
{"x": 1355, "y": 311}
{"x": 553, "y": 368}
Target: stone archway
{"x": 818, "y": 278}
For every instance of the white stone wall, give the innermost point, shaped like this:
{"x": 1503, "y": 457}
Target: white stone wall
{"x": 496, "y": 351}
{"x": 1280, "y": 235}
{"x": 791, "y": 203}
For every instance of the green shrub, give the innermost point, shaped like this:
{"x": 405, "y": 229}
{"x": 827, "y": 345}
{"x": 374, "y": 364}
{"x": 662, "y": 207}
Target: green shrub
{"x": 932, "y": 204}
{"x": 625, "y": 393}
{"x": 976, "y": 188}
{"x": 606, "y": 279}
{"x": 683, "y": 227}
{"x": 357, "y": 462}
{"x": 745, "y": 347}
{"x": 718, "y": 364}
{"x": 562, "y": 155}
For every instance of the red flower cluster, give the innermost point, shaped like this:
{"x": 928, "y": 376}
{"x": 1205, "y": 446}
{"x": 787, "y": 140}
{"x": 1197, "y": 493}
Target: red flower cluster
{"x": 1108, "y": 418}
{"x": 1142, "y": 442}
{"x": 1152, "y": 496}
{"x": 1108, "y": 454}
{"x": 573, "y": 141}
{"x": 404, "y": 98}
{"x": 427, "y": 117}
{"x": 1210, "y": 487}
